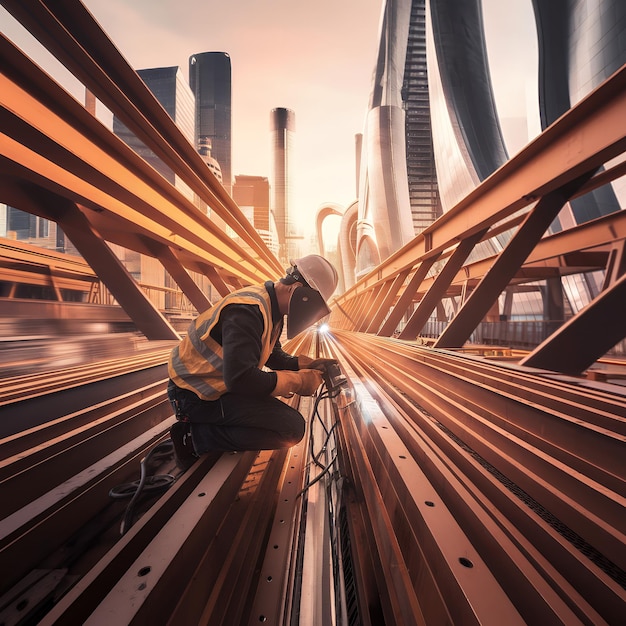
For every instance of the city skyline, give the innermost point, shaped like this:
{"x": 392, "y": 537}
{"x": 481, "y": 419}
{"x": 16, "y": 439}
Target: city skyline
{"x": 316, "y": 60}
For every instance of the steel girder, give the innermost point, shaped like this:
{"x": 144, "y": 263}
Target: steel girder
{"x": 74, "y": 37}
{"x": 53, "y": 145}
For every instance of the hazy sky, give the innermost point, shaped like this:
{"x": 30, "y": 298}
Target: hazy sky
{"x": 315, "y": 58}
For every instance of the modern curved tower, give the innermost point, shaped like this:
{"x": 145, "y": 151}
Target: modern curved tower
{"x": 567, "y": 32}
{"x": 468, "y": 143}
{"x": 431, "y": 132}
{"x": 385, "y": 223}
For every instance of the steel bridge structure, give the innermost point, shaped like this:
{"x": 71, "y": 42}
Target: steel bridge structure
{"x": 443, "y": 481}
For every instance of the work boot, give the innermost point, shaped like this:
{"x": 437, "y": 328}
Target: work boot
{"x": 184, "y": 453}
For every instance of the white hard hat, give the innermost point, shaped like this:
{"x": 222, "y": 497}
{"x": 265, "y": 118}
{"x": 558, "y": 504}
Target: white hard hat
{"x": 318, "y": 273}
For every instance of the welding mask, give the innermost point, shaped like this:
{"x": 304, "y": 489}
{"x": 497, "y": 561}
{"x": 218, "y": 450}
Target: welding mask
{"x": 308, "y": 303}
{"x": 306, "y": 307}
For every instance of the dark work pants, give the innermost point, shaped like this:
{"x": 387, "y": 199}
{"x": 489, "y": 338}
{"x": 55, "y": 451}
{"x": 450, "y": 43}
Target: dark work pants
{"x": 236, "y": 422}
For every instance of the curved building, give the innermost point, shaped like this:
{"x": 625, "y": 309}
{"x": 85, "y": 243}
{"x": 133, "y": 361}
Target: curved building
{"x": 432, "y": 131}
{"x": 467, "y": 139}
{"x": 581, "y": 44}
{"x": 385, "y": 223}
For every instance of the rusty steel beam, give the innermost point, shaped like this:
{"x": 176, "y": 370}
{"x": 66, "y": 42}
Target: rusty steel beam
{"x": 72, "y": 492}
{"x": 528, "y": 465}
{"x": 216, "y": 280}
{"x": 200, "y": 496}
{"x": 439, "y": 286}
{"x": 217, "y": 522}
{"x": 414, "y": 532}
{"x": 388, "y": 293}
{"x": 176, "y": 270}
{"x": 403, "y": 303}
{"x": 110, "y": 269}
{"x": 363, "y": 303}
{"x": 588, "y": 243}
{"x": 616, "y": 266}
{"x": 563, "y": 251}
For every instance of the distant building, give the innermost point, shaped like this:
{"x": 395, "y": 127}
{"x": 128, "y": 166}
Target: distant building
{"x": 170, "y": 88}
{"x": 254, "y": 191}
{"x": 282, "y": 130}
{"x": 210, "y": 82}
{"x": 205, "y": 150}
{"x": 252, "y": 195}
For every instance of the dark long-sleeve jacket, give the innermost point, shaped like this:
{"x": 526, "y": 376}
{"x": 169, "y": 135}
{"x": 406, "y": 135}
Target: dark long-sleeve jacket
{"x": 225, "y": 347}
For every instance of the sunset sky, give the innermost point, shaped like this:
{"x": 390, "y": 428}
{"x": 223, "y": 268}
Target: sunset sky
{"x": 315, "y": 58}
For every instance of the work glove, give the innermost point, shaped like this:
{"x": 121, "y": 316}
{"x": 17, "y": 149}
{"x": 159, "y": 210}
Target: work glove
{"x": 321, "y": 364}
{"x": 303, "y": 382}
{"x": 306, "y": 362}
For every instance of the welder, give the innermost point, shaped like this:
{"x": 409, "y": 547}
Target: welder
{"x": 227, "y": 374}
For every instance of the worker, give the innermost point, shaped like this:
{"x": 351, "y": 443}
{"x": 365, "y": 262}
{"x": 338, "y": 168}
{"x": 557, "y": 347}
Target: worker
{"x": 228, "y": 372}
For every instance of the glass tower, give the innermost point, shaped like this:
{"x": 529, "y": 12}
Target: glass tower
{"x": 210, "y": 81}
{"x": 173, "y": 93}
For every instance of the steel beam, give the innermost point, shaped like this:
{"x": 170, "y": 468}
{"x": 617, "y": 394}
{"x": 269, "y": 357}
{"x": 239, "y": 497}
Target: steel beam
{"x": 506, "y": 265}
{"x": 109, "y": 268}
{"x": 439, "y": 287}
{"x": 400, "y": 308}
{"x": 529, "y": 465}
{"x": 586, "y": 337}
{"x": 176, "y": 270}
{"x": 390, "y": 292}
{"x": 616, "y": 265}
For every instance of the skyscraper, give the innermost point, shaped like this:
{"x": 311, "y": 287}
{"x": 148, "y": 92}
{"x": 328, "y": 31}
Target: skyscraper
{"x": 210, "y": 81}
{"x": 170, "y": 88}
{"x": 282, "y": 129}
{"x": 432, "y": 128}
{"x": 172, "y": 91}
{"x": 567, "y": 31}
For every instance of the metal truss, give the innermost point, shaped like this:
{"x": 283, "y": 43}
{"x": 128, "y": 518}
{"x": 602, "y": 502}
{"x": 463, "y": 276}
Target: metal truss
{"x": 61, "y": 163}
{"x": 523, "y": 196}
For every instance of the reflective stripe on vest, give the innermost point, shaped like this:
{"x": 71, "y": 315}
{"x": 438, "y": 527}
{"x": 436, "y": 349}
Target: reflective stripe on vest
{"x": 197, "y": 362}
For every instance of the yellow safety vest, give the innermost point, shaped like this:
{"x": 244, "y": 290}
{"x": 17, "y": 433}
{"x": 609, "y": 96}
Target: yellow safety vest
{"x": 197, "y": 363}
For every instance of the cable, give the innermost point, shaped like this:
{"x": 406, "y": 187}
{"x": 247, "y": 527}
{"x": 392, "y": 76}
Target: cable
{"x": 145, "y": 484}
{"x": 317, "y": 478}
{"x": 327, "y": 394}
